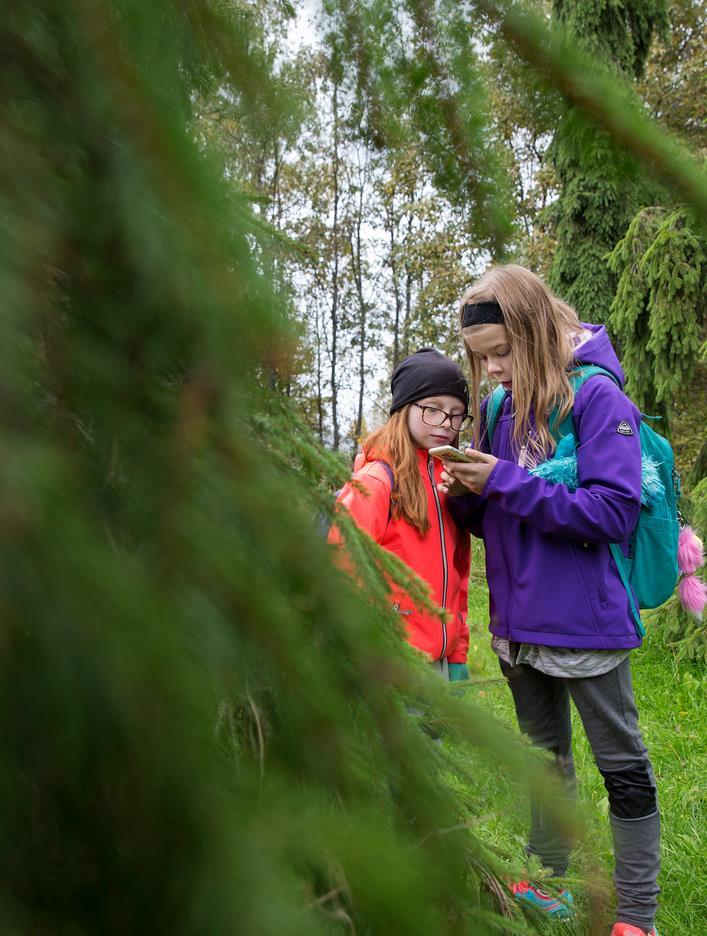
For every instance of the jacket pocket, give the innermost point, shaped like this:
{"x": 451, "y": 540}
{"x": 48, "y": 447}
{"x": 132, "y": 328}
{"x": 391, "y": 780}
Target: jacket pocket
{"x": 400, "y": 600}
{"x": 587, "y": 557}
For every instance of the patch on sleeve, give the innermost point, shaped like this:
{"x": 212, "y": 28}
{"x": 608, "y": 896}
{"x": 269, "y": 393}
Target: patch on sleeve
{"x": 624, "y": 428}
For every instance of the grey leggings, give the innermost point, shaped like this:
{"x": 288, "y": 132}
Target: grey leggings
{"x": 606, "y": 706}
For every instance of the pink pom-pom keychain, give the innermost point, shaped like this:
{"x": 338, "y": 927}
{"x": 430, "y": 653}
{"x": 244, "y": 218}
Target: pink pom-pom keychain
{"x": 691, "y": 590}
{"x": 690, "y": 551}
{"x": 693, "y": 594}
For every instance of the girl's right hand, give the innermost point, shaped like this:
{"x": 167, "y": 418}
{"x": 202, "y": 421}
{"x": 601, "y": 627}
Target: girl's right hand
{"x": 472, "y": 475}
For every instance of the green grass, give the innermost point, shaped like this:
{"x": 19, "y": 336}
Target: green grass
{"x": 671, "y": 703}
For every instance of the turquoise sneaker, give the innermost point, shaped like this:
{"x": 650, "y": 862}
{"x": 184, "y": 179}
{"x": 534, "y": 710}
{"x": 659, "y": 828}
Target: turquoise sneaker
{"x": 557, "y": 908}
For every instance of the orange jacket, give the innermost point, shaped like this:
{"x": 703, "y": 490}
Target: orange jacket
{"x": 441, "y": 557}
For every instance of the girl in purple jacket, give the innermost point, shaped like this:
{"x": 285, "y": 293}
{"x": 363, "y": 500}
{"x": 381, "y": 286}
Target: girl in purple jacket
{"x": 560, "y": 619}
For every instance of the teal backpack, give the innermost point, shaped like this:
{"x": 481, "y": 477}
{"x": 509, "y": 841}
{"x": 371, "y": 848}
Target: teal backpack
{"x": 650, "y": 572}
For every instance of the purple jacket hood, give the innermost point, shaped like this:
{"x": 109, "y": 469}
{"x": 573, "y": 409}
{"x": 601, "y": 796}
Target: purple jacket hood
{"x": 599, "y": 350}
{"x": 552, "y": 579}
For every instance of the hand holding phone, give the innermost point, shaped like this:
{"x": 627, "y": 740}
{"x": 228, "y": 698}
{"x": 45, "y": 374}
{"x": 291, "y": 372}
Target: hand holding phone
{"x": 449, "y": 453}
{"x": 471, "y": 469}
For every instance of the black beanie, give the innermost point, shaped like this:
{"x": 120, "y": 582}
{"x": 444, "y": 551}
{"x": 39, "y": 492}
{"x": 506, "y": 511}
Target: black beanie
{"x": 427, "y": 373}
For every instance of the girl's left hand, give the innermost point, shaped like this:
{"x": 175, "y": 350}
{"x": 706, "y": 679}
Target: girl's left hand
{"x": 474, "y": 474}
{"x": 451, "y": 487}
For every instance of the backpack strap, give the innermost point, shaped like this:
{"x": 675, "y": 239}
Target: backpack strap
{"x": 391, "y": 478}
{"x": 576, "y": 379}
{"x": 493, "y": 411}
{"x": 389, "y": 472}
{"x": 621, "y": 567}
{"x": 377, "y": 461}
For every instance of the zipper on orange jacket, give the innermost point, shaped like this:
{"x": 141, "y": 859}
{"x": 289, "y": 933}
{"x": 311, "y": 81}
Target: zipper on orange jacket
{"x": 445, "y": 570}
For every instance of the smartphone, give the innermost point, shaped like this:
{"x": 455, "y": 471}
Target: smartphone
{"x": 449, "y": 453}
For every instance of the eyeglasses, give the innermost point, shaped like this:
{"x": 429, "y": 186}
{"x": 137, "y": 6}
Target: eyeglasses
{"x": 432, "y": 416}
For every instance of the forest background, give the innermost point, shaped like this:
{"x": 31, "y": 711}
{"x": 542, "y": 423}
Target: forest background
{"x": 385, "y": 235}
{"x": 215, "y": 243}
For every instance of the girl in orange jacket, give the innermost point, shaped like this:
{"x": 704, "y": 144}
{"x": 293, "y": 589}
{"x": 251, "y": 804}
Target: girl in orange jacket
{"x": 403, "y": 510}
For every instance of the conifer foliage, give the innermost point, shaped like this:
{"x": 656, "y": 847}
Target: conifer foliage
{"x": 202, "y": 725}
{"x": 601, "y": 187}
{"x": 658, "y": 311}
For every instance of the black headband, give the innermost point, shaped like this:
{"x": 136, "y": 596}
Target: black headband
{"x": 482, "y": 313}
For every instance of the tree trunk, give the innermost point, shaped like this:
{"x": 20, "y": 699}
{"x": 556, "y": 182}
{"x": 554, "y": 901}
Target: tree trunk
{"x": 355, "y": 246}
{"x": 390, "y": 218}
{"x": 335, "y": 275}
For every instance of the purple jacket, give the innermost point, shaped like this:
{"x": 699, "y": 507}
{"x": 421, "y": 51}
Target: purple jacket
{"x": 551, "y": 577}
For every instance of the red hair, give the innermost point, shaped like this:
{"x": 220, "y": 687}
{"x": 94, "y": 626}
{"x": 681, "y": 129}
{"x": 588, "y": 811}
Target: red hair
{"x": 393, "y": 444}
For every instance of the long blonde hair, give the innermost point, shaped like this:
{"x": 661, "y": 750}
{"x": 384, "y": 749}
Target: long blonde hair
{"x": 393, "y": 444}
{"x": 540, "y": 328}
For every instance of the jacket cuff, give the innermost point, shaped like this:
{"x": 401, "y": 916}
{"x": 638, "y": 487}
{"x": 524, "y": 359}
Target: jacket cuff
{"x": 492, "y": 480}
{"x": 462, "y": 505}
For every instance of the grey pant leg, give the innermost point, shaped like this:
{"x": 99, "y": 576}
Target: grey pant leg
{"x": 441, "y": 667}
{"x": 608, "y": 711}
{"x": 543, "y": 710}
